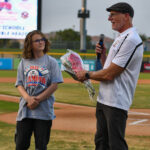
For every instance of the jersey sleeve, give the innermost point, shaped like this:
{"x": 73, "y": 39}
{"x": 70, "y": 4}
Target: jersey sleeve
{"x": 20, "y": 74}
{"x": 125, "y": 52}
{"x": 56, "y": 75}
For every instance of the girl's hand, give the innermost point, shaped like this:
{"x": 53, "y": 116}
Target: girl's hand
{"x": 32, "y": 103}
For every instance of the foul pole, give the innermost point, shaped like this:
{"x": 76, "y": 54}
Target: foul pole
{"x": 83, "y": 14}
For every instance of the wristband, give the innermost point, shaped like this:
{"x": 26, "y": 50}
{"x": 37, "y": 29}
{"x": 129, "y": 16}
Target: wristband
{"x": 87, "y": 75}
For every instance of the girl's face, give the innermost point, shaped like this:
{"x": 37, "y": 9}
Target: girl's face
{"x": 38, "y": 43}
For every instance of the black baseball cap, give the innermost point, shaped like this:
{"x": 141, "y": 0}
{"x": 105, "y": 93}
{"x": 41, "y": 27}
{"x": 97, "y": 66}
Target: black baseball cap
{"x": 122, "y": 7}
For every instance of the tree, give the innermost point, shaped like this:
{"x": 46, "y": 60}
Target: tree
{"x": 4, "y": 43}
{"x": 67, "y": 39}
{"x": 68, "y": 35}
{"x": 143, "y": 37}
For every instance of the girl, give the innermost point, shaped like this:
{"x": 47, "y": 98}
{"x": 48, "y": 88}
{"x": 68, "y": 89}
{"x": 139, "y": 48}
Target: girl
{"x": 37, "y": 79}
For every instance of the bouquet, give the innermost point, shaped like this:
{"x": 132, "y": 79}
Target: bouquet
{"x": 72, "y": 63}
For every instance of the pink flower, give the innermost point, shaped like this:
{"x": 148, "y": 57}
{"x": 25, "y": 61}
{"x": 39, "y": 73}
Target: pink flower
{"x": 75, "y": 62}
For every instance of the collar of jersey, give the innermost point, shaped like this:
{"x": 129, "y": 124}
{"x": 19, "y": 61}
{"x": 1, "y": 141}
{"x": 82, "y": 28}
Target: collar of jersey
{"x": 126, "y": 32}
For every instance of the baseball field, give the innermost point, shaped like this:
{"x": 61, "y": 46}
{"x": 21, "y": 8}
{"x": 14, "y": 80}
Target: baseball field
{"x": 74, "y": 126}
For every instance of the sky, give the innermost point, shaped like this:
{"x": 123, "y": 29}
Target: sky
{"x": 62, "y": 14}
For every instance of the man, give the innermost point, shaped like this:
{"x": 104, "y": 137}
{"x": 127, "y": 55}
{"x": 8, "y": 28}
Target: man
{"x": 118, "y": 79}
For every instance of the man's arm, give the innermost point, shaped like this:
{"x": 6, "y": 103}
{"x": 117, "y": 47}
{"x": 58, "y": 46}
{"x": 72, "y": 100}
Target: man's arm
{"x": 102, "y": 75}
{"x": 107, "y": 74}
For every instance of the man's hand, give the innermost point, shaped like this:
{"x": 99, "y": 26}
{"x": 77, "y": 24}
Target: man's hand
{"x": 99, "y": 49}
{"x": 102, "y": 52}
{"x": 81, "y": 75}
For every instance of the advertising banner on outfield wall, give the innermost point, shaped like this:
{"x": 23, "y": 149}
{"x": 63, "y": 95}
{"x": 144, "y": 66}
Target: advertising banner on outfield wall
{"x": 6, "y": 63}
{"x": 145, "y": 67}
{"x": 12, "y": 63}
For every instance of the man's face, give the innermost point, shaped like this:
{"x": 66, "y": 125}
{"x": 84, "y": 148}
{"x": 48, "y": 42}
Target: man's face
{"x": 118, "y": 20}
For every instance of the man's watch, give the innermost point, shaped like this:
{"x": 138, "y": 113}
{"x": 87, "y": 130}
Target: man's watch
{"x": 87, "y": 75}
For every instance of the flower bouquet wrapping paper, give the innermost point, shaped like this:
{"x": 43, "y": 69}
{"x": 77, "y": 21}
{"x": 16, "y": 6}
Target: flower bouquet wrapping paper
{"x": 73, "y": 63}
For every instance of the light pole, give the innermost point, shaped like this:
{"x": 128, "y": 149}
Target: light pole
{"x": 83, "y": 14}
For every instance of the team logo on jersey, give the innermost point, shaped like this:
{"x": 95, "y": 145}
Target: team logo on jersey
{"x": 35, "y": 75}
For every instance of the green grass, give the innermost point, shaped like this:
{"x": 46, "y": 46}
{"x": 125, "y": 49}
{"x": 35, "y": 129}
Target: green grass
{"x": 144, "y": 76}
{"x": 8, "y": 89}
{"x": 65, "y": 75}
{"x": 74, "y": 94}
{"x": 7, "y": 136}
{"x": 77, "y": 94}
{"x": 138, "y": 142}
{"x": 6, "y": 107}
{"x": 141, "y": 98}
{"x": 147, "y": 53}
{"x": 67, "y": 140}
{"x": 10, "y": 50}
{"x": 8, "y": 73}
{"x": 55, "y": 50}
{"x": 51, "y": 50}
{"x": 13, "y": 73}
{"x": 64, "y": 140}
{"x": 65, "y": 50}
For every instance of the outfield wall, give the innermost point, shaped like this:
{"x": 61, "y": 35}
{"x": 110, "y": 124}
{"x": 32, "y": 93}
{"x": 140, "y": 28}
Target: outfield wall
{"x": 12, "y": 64}
{"x": 10, "y": 61}
{"x": 6, "y": 64}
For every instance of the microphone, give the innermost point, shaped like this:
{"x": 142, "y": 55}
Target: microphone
{"x": 101, "y": 43}
{"x": 98, "y": 62}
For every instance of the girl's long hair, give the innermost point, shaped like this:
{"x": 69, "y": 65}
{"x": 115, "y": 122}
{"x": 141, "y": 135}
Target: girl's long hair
{"x": 27, "y": 51}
